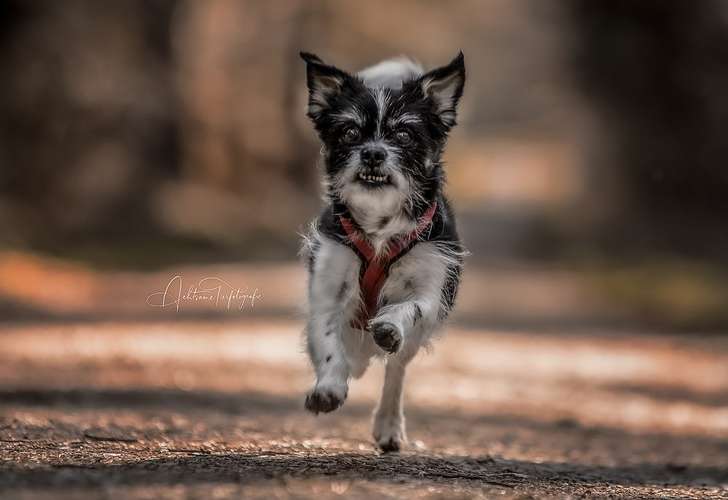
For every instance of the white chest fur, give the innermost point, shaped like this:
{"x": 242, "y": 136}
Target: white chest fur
{"x": 380, "y": 216}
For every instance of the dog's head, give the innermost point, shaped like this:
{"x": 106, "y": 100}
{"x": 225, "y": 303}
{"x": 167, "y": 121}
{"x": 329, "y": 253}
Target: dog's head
{"x": 384, "y": 130}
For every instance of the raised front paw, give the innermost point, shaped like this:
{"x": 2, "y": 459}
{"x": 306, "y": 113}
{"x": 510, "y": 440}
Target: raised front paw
{"x": 386, "y": 335}
{"x": 325, "y": 398}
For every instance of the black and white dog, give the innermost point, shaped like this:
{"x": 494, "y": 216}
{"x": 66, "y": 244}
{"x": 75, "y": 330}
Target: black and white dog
{"x": 384, "y": 257}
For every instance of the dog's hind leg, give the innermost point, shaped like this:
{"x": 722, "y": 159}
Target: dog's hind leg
{"x": 389, "y": 426}
{"x": 414, "y": 291}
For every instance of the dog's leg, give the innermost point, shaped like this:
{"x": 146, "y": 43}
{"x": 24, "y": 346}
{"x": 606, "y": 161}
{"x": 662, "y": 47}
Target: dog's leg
{"x": 389, "y": 429}
{"x": 414, "y": 296}
{"x": 401, "y": 328}
{"x": 332, "y": 292}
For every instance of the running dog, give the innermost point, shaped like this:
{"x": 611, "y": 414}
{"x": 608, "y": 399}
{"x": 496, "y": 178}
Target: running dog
{"x": 384, "y": 258}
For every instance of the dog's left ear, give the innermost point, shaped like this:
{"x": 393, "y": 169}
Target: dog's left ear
{"x": 324, "y": 83}
{"x": 444, "y": 86}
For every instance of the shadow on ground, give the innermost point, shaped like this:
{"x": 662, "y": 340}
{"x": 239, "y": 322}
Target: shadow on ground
{"x": 246, "y": 468}
{"x": 80, "y": 467}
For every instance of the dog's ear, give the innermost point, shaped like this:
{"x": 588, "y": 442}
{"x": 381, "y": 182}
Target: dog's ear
{"x": 310, "y": 58}
{"x": 444, "y": 86}
{"x": 324, "y": 83}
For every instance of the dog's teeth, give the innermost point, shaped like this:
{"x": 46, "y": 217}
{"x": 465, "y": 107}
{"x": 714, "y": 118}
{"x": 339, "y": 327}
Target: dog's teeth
{"x": 374, "y": 178}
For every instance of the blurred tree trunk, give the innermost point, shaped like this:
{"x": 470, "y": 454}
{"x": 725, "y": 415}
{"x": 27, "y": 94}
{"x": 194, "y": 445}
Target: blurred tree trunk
{"x": 657, "y": 73}
{"x": 87, "y": 110}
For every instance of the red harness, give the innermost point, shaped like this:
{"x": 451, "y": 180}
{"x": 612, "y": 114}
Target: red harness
{"x": 375, "y": 269}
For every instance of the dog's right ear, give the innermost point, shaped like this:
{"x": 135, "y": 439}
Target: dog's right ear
{"x": 324, "y": 83}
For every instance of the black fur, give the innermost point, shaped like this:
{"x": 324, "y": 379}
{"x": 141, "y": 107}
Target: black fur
{"x": 419, "y": 160}
{"x": 334, "y": 93}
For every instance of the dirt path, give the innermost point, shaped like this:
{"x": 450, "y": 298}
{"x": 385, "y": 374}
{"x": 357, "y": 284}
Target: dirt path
{"x": 213, "y": 409}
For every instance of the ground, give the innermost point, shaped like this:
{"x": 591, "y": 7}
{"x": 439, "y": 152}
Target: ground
{"x": 164, "y": 404}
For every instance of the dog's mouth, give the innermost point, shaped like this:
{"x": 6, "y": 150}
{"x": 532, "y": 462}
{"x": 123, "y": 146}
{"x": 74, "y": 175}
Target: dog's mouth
{"x": 373, "y": 180}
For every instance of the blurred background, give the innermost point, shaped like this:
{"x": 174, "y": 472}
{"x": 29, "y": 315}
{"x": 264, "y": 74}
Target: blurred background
{"x": 143, "y": 140}
{"x": 590, "y": 159}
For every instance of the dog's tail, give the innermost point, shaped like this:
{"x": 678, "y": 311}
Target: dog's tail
{"x": 391, "y": 73}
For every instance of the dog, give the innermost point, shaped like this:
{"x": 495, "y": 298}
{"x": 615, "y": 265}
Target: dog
{"x": 384, "y": 258}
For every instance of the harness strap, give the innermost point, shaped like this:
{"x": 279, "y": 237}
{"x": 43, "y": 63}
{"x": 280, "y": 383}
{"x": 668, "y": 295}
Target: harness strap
{"x": 376, "y": 268}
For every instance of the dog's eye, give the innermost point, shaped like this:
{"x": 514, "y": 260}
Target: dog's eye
{"x": 351, "y": 134}
{"x": 404, "y": 137}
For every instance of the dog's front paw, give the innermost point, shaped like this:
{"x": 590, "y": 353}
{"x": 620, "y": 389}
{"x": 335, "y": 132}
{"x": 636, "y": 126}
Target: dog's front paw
{"x": 325, "y": 398}
{"x": 389, "y": 434}
{"x": 386, "y": 335}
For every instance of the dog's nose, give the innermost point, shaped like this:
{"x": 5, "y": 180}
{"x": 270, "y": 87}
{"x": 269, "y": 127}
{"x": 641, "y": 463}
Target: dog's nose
{"x": 373, "y": 156}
